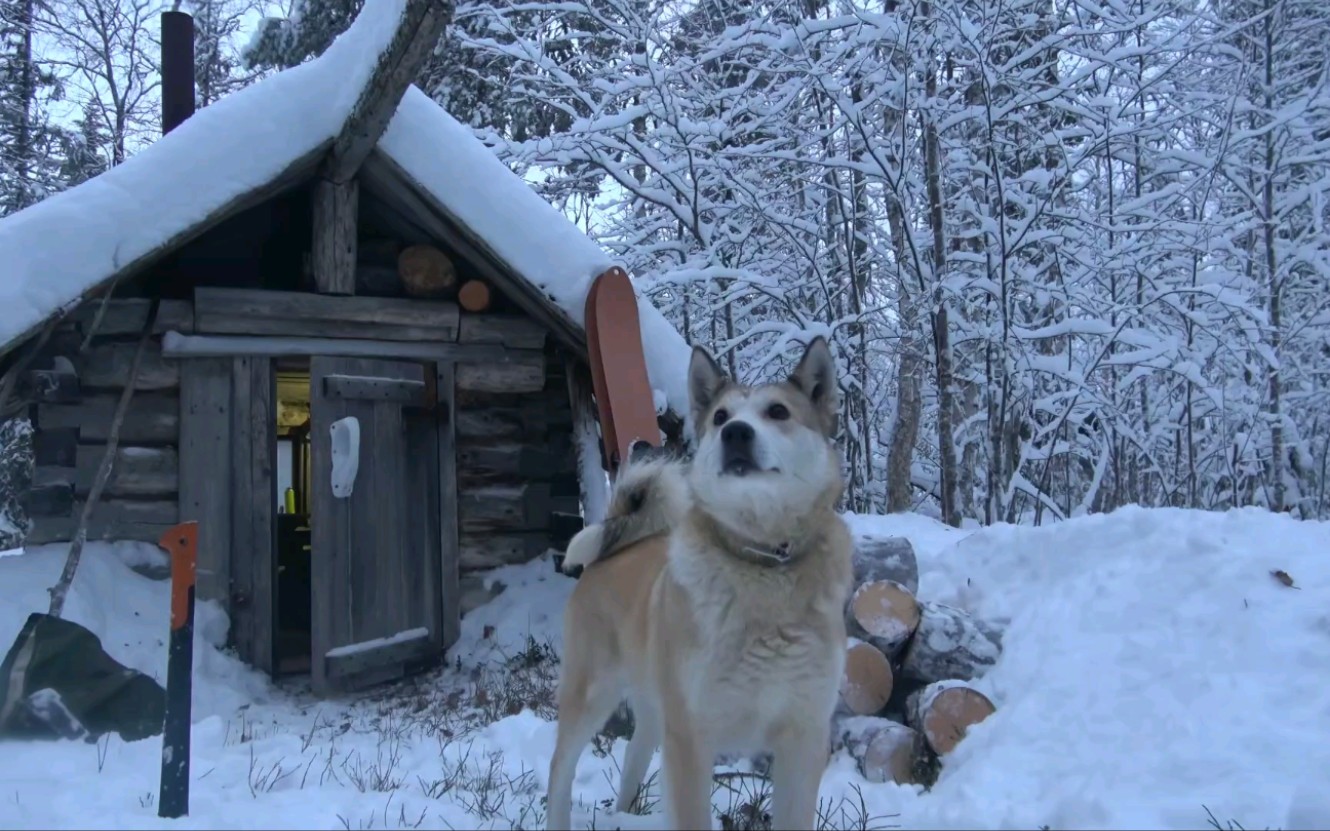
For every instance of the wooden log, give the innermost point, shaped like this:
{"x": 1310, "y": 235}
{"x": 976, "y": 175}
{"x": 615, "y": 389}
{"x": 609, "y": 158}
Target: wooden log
{"x": 514, "y": 461}
{"x": 883, "y": 613}
{"x": 886, "y": 558}
{"x": 485, "y": 551}
{"x": 55, "y": 446}
{"x": 949, "y": 643}
{"x": 137, "y": 471}
{"x": 126, "y": 316}
{"x": 48, "y": 499}
{"x": 153, "y": 418}
{"x": 336, "y": 207}
{"x": 224, "y": 311}
{"x": 378, "y": 281}
{"x": 523, "y": 372}
{"x": 426, "y": 272}
{"x": 55, "y": 386}
{"x": 887, "y": 751}
{"x": 524, "y": 507}
{"x": 475, "y": 296}
{"x": 163, "y": 512}
{"x": 516, "y": 331}
{"x": 63, "y": 529}
{"x": 530, "y": 420}
{"x": 105, "y": 366}
{"x": 944, "y": 711}
{"x": 866, "y": 683}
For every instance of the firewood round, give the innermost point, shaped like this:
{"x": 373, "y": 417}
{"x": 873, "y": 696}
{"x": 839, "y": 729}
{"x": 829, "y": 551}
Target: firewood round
{"x": 944, "y": 711}
{"x": 866, "y": 684}
{"x": 426, "y": 271}
{"x": 474, "y": 296}
{"x": 888, "y": 751}
{"x": 884, "y": 613}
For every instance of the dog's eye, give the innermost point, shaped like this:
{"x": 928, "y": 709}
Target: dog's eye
{"x": 778, "y": 412}
{"x": 719, "y": 417}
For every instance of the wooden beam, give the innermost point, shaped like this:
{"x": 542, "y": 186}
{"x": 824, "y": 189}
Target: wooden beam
{"x": 418, "y": 31}
{"x": 176, "y": 345}
{"x": 205, "y": 476}
{"x": 292, "y": 313}
{"x": 336, "y": 207}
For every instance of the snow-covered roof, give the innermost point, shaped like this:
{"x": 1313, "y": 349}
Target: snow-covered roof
{"x": 55, "y": 252}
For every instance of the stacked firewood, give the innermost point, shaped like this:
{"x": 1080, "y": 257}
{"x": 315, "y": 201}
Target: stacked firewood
{"x": 905, "y": 698}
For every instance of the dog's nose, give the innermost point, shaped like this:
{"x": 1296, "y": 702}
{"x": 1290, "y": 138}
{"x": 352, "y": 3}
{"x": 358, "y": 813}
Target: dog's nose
{"x": 737, "y": 434}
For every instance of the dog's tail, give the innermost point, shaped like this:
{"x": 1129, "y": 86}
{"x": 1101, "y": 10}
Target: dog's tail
{"x": 648, "y": 498}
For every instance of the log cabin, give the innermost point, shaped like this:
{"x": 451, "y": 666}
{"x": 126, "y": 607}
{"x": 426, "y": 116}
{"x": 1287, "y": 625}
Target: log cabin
{"x": 354, "y": 348}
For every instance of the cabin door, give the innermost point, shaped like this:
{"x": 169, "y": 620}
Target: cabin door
{"x": 376, "y": 593}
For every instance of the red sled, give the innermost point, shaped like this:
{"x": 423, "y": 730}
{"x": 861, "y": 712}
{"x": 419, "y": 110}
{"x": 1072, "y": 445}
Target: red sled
{"x": 619, "y": 381}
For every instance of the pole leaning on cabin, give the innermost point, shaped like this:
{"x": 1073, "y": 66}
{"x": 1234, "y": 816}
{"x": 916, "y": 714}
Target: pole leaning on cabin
{"x": 59, "y": 591}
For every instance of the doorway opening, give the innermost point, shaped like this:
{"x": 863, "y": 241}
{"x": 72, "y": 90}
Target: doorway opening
{"x": 293, "y": 474}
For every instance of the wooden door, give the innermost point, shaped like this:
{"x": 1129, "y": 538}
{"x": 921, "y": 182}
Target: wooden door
{"x": 377, "y": 590}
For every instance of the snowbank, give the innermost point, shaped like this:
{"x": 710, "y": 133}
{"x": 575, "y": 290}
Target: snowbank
{"x": 132, "y": 616}
{"x": 1152, "y": 668}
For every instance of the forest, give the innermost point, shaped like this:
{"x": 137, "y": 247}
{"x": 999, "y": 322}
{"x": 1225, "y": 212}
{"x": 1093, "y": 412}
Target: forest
{"x": 1071, "y": 255}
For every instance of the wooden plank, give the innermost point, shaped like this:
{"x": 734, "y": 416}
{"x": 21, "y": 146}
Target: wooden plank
{"x": 523, "y": 372}
{"x": 517, "y": 331}
{"x": 336, "y": 207}
{"x": 253, "y": 503}
{"x": 205, "y": 470}
{"x": 418, "y": 30}
{"x": 175, "y": 345}
{"x": 449, "y": 510}
{"x": 126, "y": 316}
{"x": 137, "y": 471}
{"x": 483, "y": 551}
{"x": 226, "y": 311}
{"x": 62, "y": 529}
{"x": 105, "y": 366}
{"x": 364, "y": 387}
{"x": 354, "y": 659}
{"x": 153, "y": 418}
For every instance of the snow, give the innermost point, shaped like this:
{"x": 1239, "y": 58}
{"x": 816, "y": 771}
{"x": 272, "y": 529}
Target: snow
{"x": 419, "y": 633}
{"x": 246, "y": 139}
{"x": 1152, "y": 669}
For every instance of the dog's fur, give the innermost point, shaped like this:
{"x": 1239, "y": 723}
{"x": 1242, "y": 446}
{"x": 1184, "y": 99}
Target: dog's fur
{"x": 719, "y": 615}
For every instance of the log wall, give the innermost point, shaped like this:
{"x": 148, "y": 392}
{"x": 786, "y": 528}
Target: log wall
{"x": 76, "y": 390}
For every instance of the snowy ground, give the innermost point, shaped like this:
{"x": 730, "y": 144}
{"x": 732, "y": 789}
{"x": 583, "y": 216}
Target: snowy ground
{"x": 1153, "y": 670}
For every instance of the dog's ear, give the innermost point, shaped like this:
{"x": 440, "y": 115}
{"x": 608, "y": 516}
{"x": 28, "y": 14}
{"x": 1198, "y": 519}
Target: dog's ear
{"x": 705, "y": 382}
{"x": 816, "y": 376}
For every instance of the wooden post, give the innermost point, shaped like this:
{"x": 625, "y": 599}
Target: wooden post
{"x": 182, "y": 543}
{"x": 333, "y": 250}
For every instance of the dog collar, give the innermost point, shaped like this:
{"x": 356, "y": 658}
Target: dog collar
{"x": 770, "y": 557}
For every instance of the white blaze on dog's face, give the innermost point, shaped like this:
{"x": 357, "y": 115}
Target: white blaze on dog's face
{"x": 764, "y": 454}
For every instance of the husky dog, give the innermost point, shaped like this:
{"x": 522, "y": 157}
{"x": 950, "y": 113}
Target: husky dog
{"x": 712, "y": 600}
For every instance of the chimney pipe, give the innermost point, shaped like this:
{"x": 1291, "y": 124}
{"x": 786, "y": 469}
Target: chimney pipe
{"x": 177, "y": 69}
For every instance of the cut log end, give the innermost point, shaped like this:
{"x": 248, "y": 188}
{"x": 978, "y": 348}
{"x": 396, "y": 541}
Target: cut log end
{"x": 888, "y": 751}
{"x": 943, "y": 712}
{"x": 884, "y": 613}
{"x": 426, "y": 271}
{"x": 867, "y": 681}
{"x": 474, "y": 296}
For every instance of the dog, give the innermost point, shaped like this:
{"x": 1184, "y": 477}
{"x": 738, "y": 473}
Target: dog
{"x": 712, "y": 600}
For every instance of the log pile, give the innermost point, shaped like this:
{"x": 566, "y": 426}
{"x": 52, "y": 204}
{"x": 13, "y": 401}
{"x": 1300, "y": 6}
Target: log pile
{"x": 906, "y": 700}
